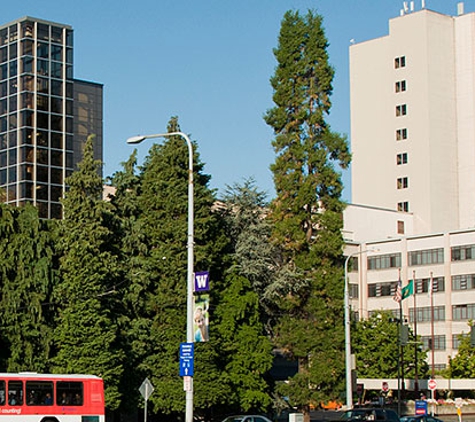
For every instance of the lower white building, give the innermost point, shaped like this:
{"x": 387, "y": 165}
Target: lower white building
{"x": 446, "y": 258}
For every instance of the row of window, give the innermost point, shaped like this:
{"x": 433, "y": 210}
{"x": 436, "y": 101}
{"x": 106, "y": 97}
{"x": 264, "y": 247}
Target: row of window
{"x": 40, "y": 84}
{"x": 44, "y": 50}
{"x": 421, "y": 257}
{"x": 43, "y": 32}
{"x": 43, "y": 121}
{"x": 41, "y": 393}
{"x": 388, "y": 288}
{"x": 29, "y": 136}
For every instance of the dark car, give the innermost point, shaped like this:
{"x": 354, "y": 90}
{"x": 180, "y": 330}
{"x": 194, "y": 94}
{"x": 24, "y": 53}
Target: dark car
{"x": 420, "y": 418}
{"x": 246, "y": 418}
{"x": 370, "y": 414}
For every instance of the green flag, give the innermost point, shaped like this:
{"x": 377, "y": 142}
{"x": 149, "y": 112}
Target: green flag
{"x": 408, "y": 290}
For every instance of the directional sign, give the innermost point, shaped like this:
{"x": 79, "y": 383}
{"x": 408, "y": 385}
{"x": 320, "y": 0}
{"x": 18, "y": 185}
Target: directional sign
{"x": 187, "y": 352}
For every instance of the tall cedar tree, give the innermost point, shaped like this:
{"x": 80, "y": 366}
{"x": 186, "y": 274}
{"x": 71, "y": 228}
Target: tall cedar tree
{"x": 86, "y": 331}
{"x": 26, "y": 280}
{"x": 307, "y": 211}
{"x": 158, "y": 287}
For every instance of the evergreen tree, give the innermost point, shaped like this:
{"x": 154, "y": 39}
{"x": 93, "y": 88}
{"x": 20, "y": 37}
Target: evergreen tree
{"x": 307, "y": 212}
{"x": 86, "y": 331}
{"x": 158, "y": 289}
{"x": 27, "y": 252}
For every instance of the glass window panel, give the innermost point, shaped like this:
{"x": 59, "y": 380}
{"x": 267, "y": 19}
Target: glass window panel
{"x": 56, "y": 122}
{"x": 26, "y": 136}
{"x": 69, "y": 90}
{"x": 56, "y": 176}
{"x": 42, "y": 120}
{"x": 42, "y": 156}
{"x": 27, "y": 64}
{"x": 56, "y": 210}
{"x": 3, "y": 141}
{"x": 13, "y": 33}
{"x": 3, "y": 89}
{"x": 12, "y": 103}
{"x": 13, "y": 53}
{"x": 3, "y": 158}
{"x": 12, "y": 121}
{"x": 56, "y": 53}
{"x": 56, "y": 70}
{"x": 69, "y": 71}
{"x": 26, "y": 190}
{"x": 56, "y": 158}
{"x": 69, "y": 107}
{"x": 27, "y": 47}
{"x": 42, "y": 102}
{"x": 4, "y": 71}
{"x": 56, "y": 105}
{"x": 12, "y": 139}
{"x": 42, "y": 138}
{"x": 13, "y": 68}
{"x": 56, "y": 88}
{"x": 12, "y": 177}
{"x": 43, "y": 31}
{"x": 4, "y": 36}
{"x": 3, "y": 106}
{"x": 69, "y": 124}
{"x": 3, "y": 54}
{"x": 69, "y": 160}
{"x": 26, "y": 118}
{"x": 3, "y": 124}
{"x": 56, "y": 34}
{"x": 69, "y": 142}
{"x": 13, "y": 86}
{"x": 12, "y": 157}
{"x": 27, "y": 155}
{"x": 69, "y": 55}
{"x": 42, "y": 192}
{"x": 43, "y": 68}
{"x": 43, "y": 85}
{"x": 56, "y": 193}
{"x": 42, "y": 174}
{"x": 27, "y": 100}
{"x": 3, "y": 391}
{"x": 56, "y": 140}
{"x": 42, "y": 50}
{"x": 3, "y": 177}
{"x": 42, "y": 209}
{"x": 27, "y": 29}
{"x": 69, "y": 37}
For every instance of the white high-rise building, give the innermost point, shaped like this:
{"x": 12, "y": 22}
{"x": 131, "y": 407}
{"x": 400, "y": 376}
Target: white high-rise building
{"x": 413, "y": 119}
{"x": 413, "y": 174}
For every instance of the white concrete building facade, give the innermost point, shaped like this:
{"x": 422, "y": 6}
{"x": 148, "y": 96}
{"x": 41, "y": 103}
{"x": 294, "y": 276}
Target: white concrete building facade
{"x": 413, "y": 174}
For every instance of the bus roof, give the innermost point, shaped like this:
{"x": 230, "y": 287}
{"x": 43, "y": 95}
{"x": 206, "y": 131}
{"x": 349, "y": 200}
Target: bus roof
{"x": 35, "y": 375}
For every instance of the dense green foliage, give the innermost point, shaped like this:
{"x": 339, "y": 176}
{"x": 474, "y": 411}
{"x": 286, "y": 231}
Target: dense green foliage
{"x": 377, "y": 349}
{"x": 463, "y": 365}
{"x": 307, "y": 212}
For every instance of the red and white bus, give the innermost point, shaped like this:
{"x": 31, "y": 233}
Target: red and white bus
{"x": 32, "y": 397}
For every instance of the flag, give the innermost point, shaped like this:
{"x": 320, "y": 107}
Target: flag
{"x": 407, "y": 290}
{"x": 398, "y": 295}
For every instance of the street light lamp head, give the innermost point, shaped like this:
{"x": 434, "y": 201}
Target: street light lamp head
{"x": 136, "y": 139}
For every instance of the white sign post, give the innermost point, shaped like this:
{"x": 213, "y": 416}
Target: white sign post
{"x": 146, "y": 389}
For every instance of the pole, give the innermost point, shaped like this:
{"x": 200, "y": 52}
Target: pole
{"x": 145, "y": 407}
{"x": 190, "y": 254}
{"x": 416, "y": 346}
{"x": 348, "y": 368}
{"x": 432, "y": 336}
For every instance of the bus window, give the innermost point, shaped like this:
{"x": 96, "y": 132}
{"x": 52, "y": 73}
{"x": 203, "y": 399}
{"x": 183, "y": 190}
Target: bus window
{"x": 2, "y": 393}
{"x": 39, "y": 393}
{"x": 15, "y": 393}
{"x": 69, "y": 393}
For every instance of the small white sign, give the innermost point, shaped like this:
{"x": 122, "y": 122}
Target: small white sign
{"x": 146, "y": 389}
{"x": 186, "y": 383}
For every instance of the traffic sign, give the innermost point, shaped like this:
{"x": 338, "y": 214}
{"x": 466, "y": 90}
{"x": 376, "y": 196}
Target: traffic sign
{"x": 432, "y": 384}
{"x": 187, "y": 352}
{"x": 146, "y": 389}
{"x": 385, "y": 386}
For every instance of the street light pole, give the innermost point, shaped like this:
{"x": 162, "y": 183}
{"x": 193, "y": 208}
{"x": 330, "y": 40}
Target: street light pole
{"x": 349, "y": 386}
{"x": 190, "y": 245}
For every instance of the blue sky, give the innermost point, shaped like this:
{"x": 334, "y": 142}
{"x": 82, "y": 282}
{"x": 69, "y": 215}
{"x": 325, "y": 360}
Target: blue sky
{"x": 207, "y": 62}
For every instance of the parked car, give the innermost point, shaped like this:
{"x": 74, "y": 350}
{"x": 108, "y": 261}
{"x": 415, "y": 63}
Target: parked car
{"x": 247, "y": 418}
{"x": 420, "y": 418}
{"x": 370, "y": 414}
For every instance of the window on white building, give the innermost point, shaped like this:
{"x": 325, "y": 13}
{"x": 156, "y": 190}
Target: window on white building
{"x": 403, "y": 206}
{"x": 400, "y": 86}
{"x": 401, "y": 158}
{"x": 401, "y": 110}
{"x": 402, "y": 183}
{"x": 400, "y": 62}
{"x": 401, "y": 134}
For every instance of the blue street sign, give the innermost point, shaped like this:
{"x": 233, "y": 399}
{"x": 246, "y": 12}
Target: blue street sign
{"x": 187, "y": 355}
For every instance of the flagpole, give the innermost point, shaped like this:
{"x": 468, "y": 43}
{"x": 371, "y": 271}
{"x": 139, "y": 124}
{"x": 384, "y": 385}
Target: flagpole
{"x": 399, "y": 299}
{"x": 416, "y": 346}
{"x": 431, "y": 293}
